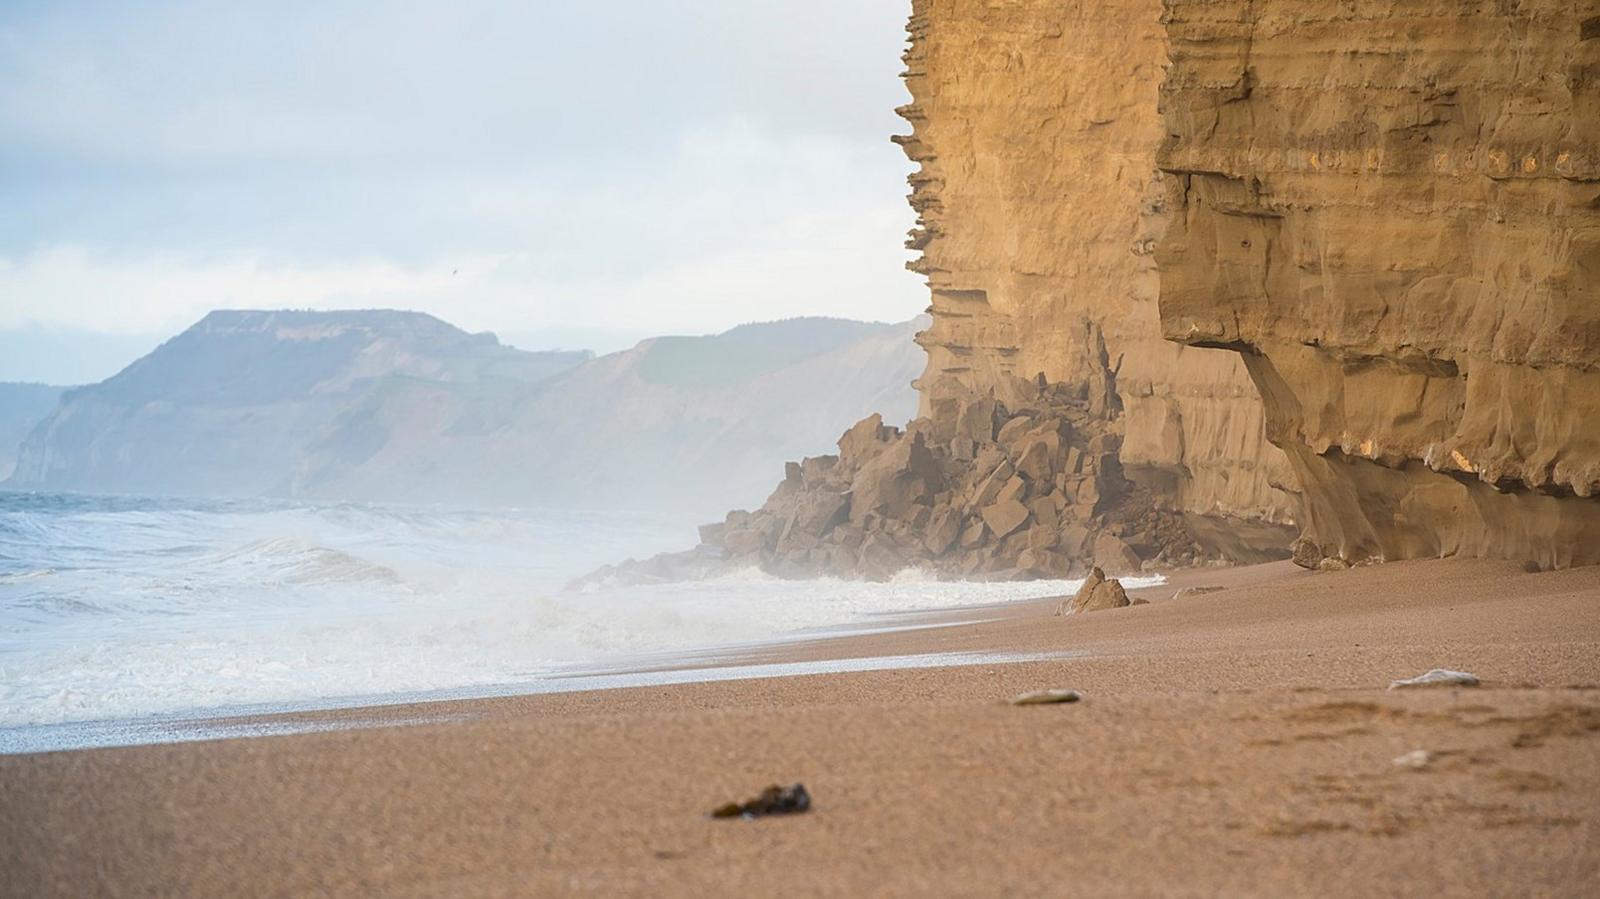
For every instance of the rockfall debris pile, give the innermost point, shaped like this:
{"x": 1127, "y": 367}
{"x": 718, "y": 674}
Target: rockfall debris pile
{"x": 979, "y": 491}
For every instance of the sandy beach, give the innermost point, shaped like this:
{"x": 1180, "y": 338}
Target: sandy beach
{"x": 1240, "y": 742}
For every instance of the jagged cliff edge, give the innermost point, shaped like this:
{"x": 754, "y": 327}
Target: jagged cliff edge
{"x": 1290, "y": 267}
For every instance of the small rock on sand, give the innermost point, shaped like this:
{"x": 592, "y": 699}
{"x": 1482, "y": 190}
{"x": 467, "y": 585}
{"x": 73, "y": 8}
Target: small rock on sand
{"x": 1438, "y": 677}
{"x": 1046, "y": 697}
{"x": 1097, "y": 593}
{"x": 1186, "y": 592}
{"x": 774, "y": 800}
{"x": 1306, "y": 553}
{"x": 1416, "y": 758}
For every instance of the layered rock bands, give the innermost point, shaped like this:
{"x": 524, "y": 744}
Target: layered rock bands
{"x": 1035, "y": 129}
{"x": 1391, "y": 213}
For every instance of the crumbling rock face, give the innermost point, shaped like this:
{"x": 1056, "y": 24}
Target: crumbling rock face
{"x": 1391, "y": 211}
{"x": 985, "y": 491}
{"x": 1035, "y": 128}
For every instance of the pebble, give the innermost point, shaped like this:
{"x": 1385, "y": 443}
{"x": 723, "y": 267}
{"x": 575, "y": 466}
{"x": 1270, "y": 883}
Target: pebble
{"x": 1438, "y": 677}
{"x": 1046, "y": 697}
{"x": 1416, "y": 758}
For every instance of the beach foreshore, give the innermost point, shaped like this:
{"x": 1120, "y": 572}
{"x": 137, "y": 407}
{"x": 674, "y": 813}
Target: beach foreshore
{"x": 1240, "y": 742}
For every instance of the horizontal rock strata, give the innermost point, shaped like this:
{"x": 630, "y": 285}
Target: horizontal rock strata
{"x": 1035, "y": 126}
{"x": 1391, "y": 211}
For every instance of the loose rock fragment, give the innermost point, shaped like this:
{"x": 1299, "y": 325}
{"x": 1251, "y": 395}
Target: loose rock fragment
{"x": 1416, "y": 758}
{"x": 1097, "y": 593}
{"x": 1046, "y": 697}
{"x": 774, "y": 800}
{"x": 1438, "y": 677}
{"x": 1306, "y": 553}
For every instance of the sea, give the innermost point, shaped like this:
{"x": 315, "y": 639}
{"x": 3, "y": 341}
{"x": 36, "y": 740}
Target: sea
{"x": 122, "y": 608}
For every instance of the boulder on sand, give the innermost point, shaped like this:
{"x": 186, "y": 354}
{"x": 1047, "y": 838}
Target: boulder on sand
{"x": 1097, "y": 593}
{"x": 1305, "y": 553}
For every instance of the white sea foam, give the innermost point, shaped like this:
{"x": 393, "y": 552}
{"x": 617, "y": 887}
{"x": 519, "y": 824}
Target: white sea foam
{"x": 125, "y": 608}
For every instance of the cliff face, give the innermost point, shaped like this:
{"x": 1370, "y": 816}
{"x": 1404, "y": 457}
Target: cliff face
{"x": 687, "y": 424}
{"x": 1391, "y": 212}
{"x": 227, "y": 407}
{"x": 1035, "y": 125}
{"x": 22, "y": 406}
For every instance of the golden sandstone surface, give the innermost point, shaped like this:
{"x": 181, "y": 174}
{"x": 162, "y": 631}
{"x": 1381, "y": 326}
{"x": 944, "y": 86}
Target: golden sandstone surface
{"x": 1338, "y": 261}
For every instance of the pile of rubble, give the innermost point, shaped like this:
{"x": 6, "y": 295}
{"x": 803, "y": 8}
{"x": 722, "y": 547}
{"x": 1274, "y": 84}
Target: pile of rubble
{"x": 980, "y": 491}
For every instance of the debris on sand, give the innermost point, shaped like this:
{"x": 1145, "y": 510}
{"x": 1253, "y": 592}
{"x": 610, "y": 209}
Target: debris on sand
{"x": 1416, "y": 758}
{"x": 1186, "y": 592}
{"x": 1306, "y": 553}
{"x": 774, "y": 800}
{"x": 1438, "y": 677}
{"x": 1046, "y": 697}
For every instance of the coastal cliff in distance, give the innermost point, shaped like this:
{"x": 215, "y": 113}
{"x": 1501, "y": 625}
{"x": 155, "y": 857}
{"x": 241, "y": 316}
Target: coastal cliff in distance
{"x": 227, "y": 407}
{"x": 387, "y": 406}
{"x": 22, "y": 406}
{"x": 1391, "y": 213}
{"x": 686, "y": 424}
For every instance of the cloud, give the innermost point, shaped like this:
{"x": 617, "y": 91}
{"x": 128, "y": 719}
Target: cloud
{"x": 505, "y": 165}
{"x": 820, "y": 264}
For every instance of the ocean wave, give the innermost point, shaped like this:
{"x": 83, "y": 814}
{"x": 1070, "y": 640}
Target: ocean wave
{"x": 22, "y": 577}
{"x": 130, "y": 608}
{"x": 297, "y": 561}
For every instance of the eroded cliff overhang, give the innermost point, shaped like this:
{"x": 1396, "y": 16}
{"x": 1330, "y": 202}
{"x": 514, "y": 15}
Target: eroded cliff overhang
{"x": 1392, "y": 212}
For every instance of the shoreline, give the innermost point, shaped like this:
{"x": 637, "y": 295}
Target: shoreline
{"x": 1241, "y": 741}
{"x": 822, "y": 650}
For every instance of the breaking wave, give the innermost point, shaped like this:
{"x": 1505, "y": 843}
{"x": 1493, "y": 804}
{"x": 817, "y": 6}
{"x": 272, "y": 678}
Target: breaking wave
{"x": 123, "y": 607}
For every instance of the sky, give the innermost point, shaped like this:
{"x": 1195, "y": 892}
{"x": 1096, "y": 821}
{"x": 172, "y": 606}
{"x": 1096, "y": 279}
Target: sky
{"x": 564, "y": 174}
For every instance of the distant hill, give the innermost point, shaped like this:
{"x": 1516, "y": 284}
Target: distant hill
{"x": 22, "y": 406}
{"x": 402, "y": 407}
{"x": 695, "y": 424}
{"x": 229, "y": 406}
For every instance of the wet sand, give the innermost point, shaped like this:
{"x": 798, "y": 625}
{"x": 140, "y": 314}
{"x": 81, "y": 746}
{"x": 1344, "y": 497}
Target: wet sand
{"x": 1239, "y": 743}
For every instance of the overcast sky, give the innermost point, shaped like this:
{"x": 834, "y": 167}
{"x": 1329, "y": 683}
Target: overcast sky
{"x": 564, "y": 173}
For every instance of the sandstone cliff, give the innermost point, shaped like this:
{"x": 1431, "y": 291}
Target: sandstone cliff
{"x": 1035, "y": 126}
{"x": 1332, "y": 265}
{"x": 1391, "y": 212}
